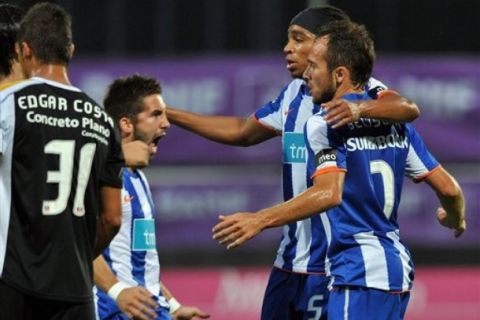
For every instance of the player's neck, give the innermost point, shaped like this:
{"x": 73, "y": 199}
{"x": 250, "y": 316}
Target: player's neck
{"x": 54, "y": 72}
{"x": 345, "y": 89}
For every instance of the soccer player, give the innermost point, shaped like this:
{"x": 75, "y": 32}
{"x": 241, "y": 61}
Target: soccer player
{"x": 298, "y": 286}
{"x": 371, "y": 269}
{"x": 10, "y": 70}
{"x": 60, "y": 160}
{"x": 127, "y": 274}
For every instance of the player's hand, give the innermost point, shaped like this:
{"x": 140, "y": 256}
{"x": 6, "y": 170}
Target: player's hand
{"x": 450, "y": 222}
{"x": 340, "y": 112}
{"x": 187, "y": 313}
{"x": 235, "y": 229}
{"x": 137, "y": 153}
{"x": 137, "y": 303}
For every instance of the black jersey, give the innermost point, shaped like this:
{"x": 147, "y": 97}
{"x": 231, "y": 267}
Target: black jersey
{"x": 57, "y": 149}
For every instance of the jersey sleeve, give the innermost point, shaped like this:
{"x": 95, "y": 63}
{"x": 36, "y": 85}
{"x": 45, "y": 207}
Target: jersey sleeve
{"x": 420, "y": 162}
{"x": 374, "y": 88}
{"x": 2, "y": 131}
{"x": 325, "y": 149}
{"x": 270, "y": 114}
{"x": 6, "y": 121}
{"x": 112, "y": 173}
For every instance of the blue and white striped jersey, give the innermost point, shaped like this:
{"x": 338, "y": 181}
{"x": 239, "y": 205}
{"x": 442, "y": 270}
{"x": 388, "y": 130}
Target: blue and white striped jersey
{"x": 366, "y": 249}
{"x": 132, "y": 254}
{"x": 303, "y": 245}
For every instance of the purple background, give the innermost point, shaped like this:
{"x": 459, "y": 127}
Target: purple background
{"x": 447, "y": 91}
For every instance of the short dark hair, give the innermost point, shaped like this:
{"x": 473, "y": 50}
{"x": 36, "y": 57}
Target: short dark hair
{"x": 10, "y": 17}
{"x": 47, "y": 28}
{"x": 349, "y": 45}
{"x": 125, "y": 96}
{"x": 313, "y": 18}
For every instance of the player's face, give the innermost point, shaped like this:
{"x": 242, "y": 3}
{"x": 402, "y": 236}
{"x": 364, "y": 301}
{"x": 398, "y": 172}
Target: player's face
{"x": 299, "y": 43}
{"x": 152, "y": 123}
{"x": 319, "y": 79}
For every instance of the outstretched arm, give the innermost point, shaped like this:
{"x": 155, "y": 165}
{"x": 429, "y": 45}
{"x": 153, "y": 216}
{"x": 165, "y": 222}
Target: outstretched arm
{"x": 180, "y": 312}
{"x": 452, "y": 212}
{"x": 235, "y": 131}
{"x": 388, "y": 107}
{"x": 235, "y": 229}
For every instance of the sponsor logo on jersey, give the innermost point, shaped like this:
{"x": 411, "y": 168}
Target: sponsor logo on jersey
{"x": 294, "y": 149}
{"x": 143, "y": 235}
{"x": 326, "y": 155}
{"x": 377, "y": 143}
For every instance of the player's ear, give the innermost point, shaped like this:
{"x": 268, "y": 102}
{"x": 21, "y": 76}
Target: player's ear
{"x": 71, "y": 50}
{"x": 126, "y": 126}
{"x": 23, "y": 50}
{"x": 340, "y": 74}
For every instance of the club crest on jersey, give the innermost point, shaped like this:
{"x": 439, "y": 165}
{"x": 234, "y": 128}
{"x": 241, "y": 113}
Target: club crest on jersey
{"x": 324, "y": 156}
{"x": 294, "y": 149}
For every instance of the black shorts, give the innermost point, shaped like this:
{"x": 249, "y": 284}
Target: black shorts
{"x": 17, "y": 305}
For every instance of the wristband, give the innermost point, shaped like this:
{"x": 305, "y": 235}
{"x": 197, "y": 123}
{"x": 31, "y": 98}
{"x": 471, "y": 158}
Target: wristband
{"x": 174, "y": 305}
{"x": 115, "y": 290}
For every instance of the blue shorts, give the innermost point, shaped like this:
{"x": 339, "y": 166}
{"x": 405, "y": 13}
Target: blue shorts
{"x": 162, "y": 314}
{"x": 358, "y": 303}
{"x": 295, "y": 296}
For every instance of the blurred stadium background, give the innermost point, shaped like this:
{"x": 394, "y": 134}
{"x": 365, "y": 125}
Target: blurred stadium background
{"x": 225, "y": 57}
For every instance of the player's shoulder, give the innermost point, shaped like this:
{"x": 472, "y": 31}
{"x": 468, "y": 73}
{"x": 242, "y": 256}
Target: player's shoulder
{"x": 10, "y": 88}
{"x": 374, "y": 87}
{"x": 298, "y": 85}
{"x": 316, "y": 122}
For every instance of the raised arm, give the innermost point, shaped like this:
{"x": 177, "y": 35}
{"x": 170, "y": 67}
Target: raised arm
{"x": 235, "y": 131}
{"x": 452, "y": 212}
{"x": 390, "y": 106}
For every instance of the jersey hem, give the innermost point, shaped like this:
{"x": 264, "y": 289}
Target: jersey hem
{"x": 426, "y": 175}
{"x": 277, "y": 132}
{"x": 84, "y": 299}
{"x": 395, "y": 292}
{"x": 301, "y": 272}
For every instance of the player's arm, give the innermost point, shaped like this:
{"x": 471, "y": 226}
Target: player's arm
{"x": 178, "y": 311}
{"x": 229, "y": 130}
{"x": 452, "y": 212}
{"x": 133, "y": 301}
{"x": 326, "y": 193}
{"x": 390, "y": 106}
{"x": 110, "y": 218}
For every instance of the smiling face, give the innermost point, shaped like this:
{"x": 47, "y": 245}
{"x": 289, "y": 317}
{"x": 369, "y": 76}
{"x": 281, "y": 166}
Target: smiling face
{"x": 299, "y": 43}
{"x": 151, "y": 124}
{"x": 320, "y": 79}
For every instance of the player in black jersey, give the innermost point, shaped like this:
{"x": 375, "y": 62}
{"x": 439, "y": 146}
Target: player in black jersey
{"x": 60, "y": 161}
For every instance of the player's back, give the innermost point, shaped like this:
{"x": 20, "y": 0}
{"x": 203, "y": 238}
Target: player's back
{"x": 56, "y": 142}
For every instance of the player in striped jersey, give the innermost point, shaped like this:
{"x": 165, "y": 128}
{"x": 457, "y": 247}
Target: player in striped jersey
{"x": 364, "y": 163}
{"x": 128, "y": 272}
{"x": 298, "y": 286}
